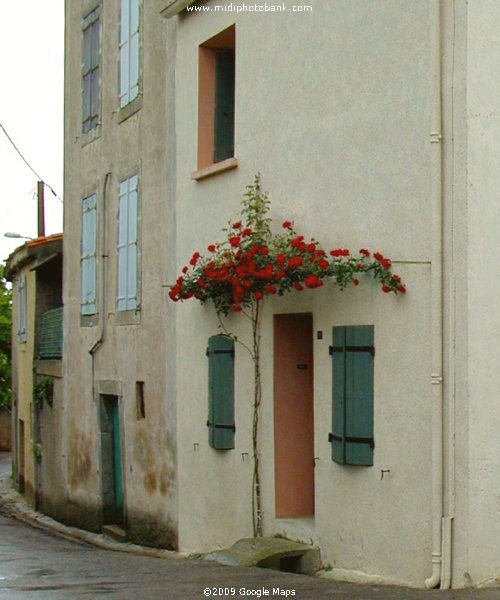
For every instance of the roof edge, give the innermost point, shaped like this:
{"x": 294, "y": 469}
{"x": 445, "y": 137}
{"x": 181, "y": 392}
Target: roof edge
{"x": 174, "y": 7}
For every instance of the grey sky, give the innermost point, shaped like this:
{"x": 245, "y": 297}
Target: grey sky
{"x": 31, "y": 110}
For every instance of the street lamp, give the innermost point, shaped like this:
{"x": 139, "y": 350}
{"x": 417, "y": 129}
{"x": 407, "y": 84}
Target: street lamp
{"x": 11, "y": 234}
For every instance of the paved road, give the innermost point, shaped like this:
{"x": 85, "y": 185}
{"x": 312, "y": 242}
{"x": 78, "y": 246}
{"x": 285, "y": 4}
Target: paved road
{"x": 38, "y": 565}
{"x": 35, "y": 564}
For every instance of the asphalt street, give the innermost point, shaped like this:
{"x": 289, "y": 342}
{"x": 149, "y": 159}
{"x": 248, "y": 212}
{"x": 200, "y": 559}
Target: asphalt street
{"x": 38, "y": 564}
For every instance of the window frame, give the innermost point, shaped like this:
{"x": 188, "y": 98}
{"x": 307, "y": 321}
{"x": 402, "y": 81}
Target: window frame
{"x": 209, "y": 160}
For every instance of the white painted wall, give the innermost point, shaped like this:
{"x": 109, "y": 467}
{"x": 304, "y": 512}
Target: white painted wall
{"x": 483, "y": 131}
{"x": 333, "y": 108}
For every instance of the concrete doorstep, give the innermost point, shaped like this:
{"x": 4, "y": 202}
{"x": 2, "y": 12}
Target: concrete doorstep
{"x": 275, "y": 553}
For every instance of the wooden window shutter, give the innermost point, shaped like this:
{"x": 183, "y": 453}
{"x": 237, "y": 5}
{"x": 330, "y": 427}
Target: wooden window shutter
{"x": 129, "y": 51}
{"x": 21, "y": 307}
{"x": 220, "y": 422}
{"x": 88, "y": 260}
{"x": 51, "y": 334}
{"x": 127, "y": 245}
{"x": 224, "y": 105}
{"x": 90, "y": 70}
{"x": 352, "y": 405}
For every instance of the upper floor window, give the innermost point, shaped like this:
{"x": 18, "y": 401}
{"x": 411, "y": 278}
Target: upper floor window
{"x": 129, "y": 51}
{"x": 91, "y": 70}
{"x": 216, "y": 88}
{"x": 88, "y": 259}
{"x": 127, "y": 245}
{"x": 21, "y": 307}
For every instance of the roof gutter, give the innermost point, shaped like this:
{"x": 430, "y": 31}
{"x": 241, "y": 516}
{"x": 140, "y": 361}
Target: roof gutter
{"x": 174, "y": 7}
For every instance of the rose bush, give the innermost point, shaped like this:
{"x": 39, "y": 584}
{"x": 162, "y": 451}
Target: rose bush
{"x": 251, "y": 263}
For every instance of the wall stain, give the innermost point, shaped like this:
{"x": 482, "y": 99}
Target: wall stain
{"x": 150, "y": 481}
{"x": 142, "y": 449}
{"x": 163, "y": 484}
{"x": 79, "y": 463}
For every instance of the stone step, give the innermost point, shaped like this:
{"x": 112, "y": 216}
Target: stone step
{"x": 114, "y": 532}
{"x": 271, "y": 553}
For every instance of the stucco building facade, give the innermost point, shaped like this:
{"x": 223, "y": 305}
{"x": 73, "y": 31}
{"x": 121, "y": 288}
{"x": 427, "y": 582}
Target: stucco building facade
{"x": 373, "y": 125}
{"x": 35, "y": 270}
{"x": 119, "y": 423}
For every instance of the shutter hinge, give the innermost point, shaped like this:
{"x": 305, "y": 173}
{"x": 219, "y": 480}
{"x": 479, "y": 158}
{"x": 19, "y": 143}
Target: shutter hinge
{"x": 370, "y": 349}
{"x": 208, "y": 352}
{"x": 352, "y": 440}
{"x": 217, "y": 426}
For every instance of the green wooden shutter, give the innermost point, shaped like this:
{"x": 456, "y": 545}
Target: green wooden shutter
{"x": 338, "y": 381}
{"x": 224, "y": 105}
{"x": 352, "y": 419}
{"x": 51, "y": 334}
{"x": 220, "y": 422}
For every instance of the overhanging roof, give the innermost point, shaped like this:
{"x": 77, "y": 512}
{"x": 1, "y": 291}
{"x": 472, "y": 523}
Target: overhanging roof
{"x": 34, "y": 250}
{"x": 174, "y": 7}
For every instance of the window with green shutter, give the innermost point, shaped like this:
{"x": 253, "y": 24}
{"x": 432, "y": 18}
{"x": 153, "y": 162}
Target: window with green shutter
{"x": 224, "y": 105}
{"x": 216, "y": 100}
{"x": 50, "y": 343}
{"x": 352, "y": 355}
{"x": 221, "y": 427}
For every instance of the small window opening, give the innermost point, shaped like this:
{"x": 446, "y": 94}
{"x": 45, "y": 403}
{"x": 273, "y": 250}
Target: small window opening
{"x": 139, "y": 398}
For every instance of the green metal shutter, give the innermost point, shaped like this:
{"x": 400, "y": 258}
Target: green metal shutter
{"x": 51, "y": 334}
{"x": 220, "y": 422}
{"x": 224, "y": 105}
{"x": 352, "y": 407}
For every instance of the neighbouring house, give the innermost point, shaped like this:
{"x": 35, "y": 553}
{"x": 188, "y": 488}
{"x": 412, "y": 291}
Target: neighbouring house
{"x": 35, "y": 270}
{"x": 119, "y": 219}
{"x": 372, "y": 126}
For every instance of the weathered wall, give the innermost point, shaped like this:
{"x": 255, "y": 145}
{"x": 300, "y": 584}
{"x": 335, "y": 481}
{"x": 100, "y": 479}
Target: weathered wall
{"x": 51, "y": 485}
{"x": 22, "y": 363}
{"x": 333, "y": 108}
{"x": 135, "y": 349}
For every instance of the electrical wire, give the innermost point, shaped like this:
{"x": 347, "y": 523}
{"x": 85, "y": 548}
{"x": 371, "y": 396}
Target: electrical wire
{"x": 19, "y": 206}
{"x": 28, "y": 165}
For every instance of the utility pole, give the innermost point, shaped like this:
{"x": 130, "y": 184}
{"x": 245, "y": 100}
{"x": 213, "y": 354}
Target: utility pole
{"x": 41, "y": 209}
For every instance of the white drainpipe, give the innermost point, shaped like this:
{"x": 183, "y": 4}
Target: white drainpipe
{"x": 436, "y": 297}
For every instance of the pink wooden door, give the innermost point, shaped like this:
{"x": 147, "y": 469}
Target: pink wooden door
{"x": 293, "y": 416}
